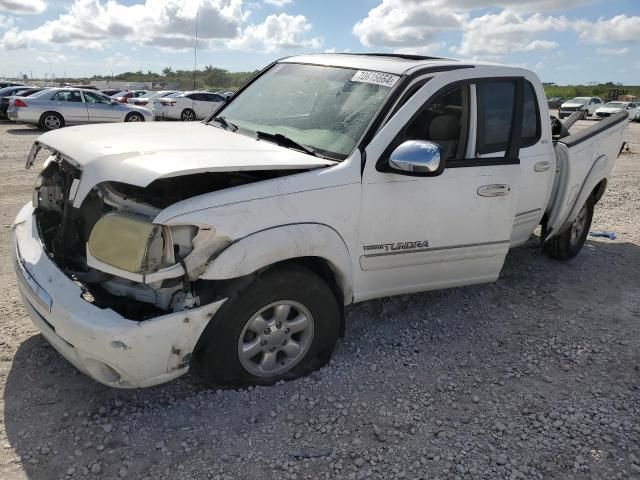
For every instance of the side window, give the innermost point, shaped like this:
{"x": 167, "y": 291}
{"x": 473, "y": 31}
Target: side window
{"x": 67, "y": 96}
{"x": 495, "y": 111}
{"x": 443, "y": 122}
{"x": 91, "y": 97}
{"x": 530, "y": 117}
{"x": 195, "y": 96}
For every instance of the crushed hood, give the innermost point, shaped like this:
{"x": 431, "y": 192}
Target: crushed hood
{"x": 139, "y": 153}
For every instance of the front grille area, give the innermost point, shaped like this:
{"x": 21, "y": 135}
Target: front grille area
{"x": 603, "y": 114}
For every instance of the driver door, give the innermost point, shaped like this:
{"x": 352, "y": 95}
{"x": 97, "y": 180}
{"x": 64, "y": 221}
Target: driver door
{"x": 428, "y": 232}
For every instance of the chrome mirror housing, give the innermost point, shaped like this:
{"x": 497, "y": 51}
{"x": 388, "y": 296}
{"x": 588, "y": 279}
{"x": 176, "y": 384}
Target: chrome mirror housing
{"x": 416, "y": 156}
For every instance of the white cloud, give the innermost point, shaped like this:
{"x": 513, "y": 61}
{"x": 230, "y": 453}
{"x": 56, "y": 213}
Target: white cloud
{"x": 278, "y": 3}
{"x": 165, "y": 23}
{"x": 405, "y": 23}
{"x": 276, "y": 32}
{"x": 495, "y": 35}
{"x": 620, "y": 28}
{"x": 611, "y": 51}
{"x": 52, "y": 57}
{"x": 23, "y": 7}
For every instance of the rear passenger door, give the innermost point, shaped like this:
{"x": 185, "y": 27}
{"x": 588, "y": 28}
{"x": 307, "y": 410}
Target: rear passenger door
{"x": 200, "y": 105}
{"x": 536, "y": 156}
{"x": 423, "y": 233}
{"x": 70, "y": 105}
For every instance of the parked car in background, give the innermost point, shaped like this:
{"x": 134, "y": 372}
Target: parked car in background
{"x": 124, "y": 95}
{"x": 25, "y": 92}
{"x": 188, "y": 106}
{"x": 148, "y": 99}
{"x": 586, "y": 105}
{"x": 110, "y": 91}
{"x": 56, "y": 107}
{"x": 9, "y": 91}
{"x": 554, "y": 102}
{"x": 615, "y": 107}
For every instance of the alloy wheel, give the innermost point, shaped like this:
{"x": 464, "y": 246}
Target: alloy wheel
{"x": 275, "y": 338}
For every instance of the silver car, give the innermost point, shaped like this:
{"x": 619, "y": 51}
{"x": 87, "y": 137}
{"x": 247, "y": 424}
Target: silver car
{"x": 56, "y": 107}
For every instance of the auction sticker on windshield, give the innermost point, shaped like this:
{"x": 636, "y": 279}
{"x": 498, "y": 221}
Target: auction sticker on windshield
{"x": 377, "y": 78}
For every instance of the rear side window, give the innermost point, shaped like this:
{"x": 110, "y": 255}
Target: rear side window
{"x": 66, "y": 96}
{"x": 530, "y": 117}
{"x": 495, "y": 111}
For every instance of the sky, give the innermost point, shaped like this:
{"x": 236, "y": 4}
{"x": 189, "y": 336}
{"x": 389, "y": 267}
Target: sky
{"x": 563, "y": 41}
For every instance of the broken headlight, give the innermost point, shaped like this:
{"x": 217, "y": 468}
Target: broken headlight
{"x": 127, "y": 242}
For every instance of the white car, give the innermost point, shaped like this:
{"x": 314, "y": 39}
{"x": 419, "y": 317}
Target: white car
{"x": 188, "y": 106}
{"x": 148, "y": 98}
{"x": 616, "y": 107}
{"x": 586, "y": 105}
{"x": 328, "y": 180}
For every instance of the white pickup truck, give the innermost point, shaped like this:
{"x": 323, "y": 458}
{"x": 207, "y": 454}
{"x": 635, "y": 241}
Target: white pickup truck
{"x": 235, "y": 244}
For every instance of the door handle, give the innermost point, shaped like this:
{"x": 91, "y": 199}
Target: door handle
{"x": 494, "y": 190}
{"x": 542, "y": 166}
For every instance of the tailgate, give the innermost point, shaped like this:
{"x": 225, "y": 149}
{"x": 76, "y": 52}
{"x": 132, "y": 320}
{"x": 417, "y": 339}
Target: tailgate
{"x": 583, "y": 160}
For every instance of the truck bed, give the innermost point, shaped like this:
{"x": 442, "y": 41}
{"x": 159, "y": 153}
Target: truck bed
{"x": 584, "y": 161}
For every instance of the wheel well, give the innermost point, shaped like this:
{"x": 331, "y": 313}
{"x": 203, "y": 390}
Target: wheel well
{"x": 48, "y": 112}
{"x": 322, "y": 268}
{"x": 598, "y": 191}
{"x": 213, "y": 290}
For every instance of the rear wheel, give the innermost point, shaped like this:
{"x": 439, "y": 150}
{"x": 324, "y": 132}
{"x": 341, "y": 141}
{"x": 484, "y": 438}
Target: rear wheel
{"x": 51, "y": 121}
{"x": 134, "y": 117}
{"x": 282, "y": 325}
{"x": 569, "y": 243}
{"x": 188, "y": 115}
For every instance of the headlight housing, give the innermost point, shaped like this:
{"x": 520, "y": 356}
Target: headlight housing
{"x": 127, "y": 242}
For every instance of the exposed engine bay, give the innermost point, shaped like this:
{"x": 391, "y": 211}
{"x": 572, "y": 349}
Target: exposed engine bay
{"x": 113, "y": 250}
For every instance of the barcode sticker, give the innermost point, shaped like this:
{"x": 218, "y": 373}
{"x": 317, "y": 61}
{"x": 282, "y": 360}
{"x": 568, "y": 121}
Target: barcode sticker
{"x": 376, "y": 78}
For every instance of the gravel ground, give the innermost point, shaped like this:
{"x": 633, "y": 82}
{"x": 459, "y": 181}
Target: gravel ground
{"x": 535, "y": 376}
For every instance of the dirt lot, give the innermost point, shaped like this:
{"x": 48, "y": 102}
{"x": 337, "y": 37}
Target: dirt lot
{"x": 535, "y": 376}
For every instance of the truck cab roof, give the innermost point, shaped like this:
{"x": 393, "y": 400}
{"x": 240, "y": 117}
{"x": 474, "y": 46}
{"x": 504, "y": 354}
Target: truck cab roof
{"x": 397, "y": 64}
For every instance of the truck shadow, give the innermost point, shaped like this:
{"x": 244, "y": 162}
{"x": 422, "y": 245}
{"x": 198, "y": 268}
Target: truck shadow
{"x": 47, "y": 402}
{"x": 25, "y": 131}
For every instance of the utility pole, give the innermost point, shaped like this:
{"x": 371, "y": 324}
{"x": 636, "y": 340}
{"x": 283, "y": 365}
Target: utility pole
{"x": 195, "y": 52}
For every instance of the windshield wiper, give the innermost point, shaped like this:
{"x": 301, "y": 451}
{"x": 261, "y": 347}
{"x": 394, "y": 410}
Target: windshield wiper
{"x": 283, "y": 140}
{"x": 226, "y": 123}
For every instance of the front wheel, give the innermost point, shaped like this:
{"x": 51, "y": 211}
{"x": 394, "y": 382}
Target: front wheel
{"x": 569, "y": 243}
{"x": 283, "y": 325}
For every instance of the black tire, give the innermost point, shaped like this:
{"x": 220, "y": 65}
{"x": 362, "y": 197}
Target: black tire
{"x": 134, "y": 117}
{"x": 569, "y": 243}
{"x": 188, "y": 115}
{"x": 585, "y": 114}
{"x": 217, "y": 355}
{"x": 51, "y": 121}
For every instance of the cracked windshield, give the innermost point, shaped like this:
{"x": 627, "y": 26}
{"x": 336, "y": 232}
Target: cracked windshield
{"x": 326, "y": 108}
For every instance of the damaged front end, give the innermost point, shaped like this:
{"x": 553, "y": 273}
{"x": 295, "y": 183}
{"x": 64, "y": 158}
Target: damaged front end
{"x": 111, "y": 247}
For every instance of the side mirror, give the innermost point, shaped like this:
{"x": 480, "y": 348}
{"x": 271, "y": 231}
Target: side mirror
{"x": 417, "y": 157}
